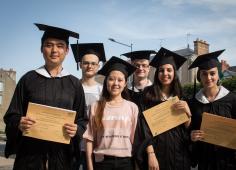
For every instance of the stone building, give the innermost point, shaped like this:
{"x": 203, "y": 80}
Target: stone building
{"x": 186, "y": 76}
{"x": 200, "y": 47}
{"x": 7, "y": 87}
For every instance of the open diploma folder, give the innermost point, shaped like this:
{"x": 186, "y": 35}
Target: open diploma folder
{"x": 49, "y": 122}
{"x": 162, "y": 117}
{"x": 219, "y": 130}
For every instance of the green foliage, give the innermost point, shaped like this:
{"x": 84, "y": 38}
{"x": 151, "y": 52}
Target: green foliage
{"x": 229, "y": 84}
{"x": 188, "y": 90}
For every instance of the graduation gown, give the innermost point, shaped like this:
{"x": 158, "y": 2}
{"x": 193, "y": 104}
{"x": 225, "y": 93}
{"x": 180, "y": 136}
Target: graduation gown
{"x": 209, "y": 156}
{"x": 171, "y": 147}
{"x": 63, "y": 92}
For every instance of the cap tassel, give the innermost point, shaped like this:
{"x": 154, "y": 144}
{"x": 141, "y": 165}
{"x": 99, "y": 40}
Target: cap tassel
{"x": 194, "y": 86}
{"x": 133, "y": 84}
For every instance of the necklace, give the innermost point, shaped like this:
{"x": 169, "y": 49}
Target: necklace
{"x": 212, "y": 97}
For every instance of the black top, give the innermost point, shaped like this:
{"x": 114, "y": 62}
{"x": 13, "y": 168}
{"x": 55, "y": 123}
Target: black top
{"x": 142, "y": 54}
{"x": 165, "y": 56}
{"x": 56, "y": 32}
{"x": 208, "y": 156}
{"x": 64, "y": 92}
{"x": 170, "y": 147}
{"x": 207, "y": 61}
{"x": 81, "y": 49}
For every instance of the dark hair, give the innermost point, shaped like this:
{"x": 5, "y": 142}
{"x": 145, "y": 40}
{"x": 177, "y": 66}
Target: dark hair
{"x": 91, "y": 51}
{"x": 152, "y": 94}
{"x": 106, "y": 97}
{"x": 44, "y": 38}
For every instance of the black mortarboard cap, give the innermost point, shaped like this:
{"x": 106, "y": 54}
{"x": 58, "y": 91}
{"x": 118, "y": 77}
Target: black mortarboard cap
{"x": 165, "y": 56}
{"x": 116, "y": 63}
{"x": 55, "y": 32}
{"x": 142, "y": 54}
{"x": 79, "y": 50}
{"x": 207, "y": 61}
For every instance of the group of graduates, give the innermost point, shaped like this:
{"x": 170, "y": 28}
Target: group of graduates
{"x": 110, "y": 131}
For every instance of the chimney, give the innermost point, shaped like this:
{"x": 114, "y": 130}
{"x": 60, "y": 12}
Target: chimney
{"x": 12, "y": 74}
{"x": 201, "y": 47}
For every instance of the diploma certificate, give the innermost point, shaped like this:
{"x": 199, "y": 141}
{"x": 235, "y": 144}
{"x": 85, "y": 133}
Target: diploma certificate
{"x": 162, "y": 117}
{"x": 219, "y": 130}
{"x": 49, "y": 122}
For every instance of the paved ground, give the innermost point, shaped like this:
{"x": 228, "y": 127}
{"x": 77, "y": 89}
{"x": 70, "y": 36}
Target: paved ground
{"x": 5, "y": 164}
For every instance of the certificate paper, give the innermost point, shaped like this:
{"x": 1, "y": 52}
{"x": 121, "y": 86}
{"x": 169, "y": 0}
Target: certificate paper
{"x": 49, "y": 122}
{"x": 219, "y": 130}
{"x": 162, "y": 117}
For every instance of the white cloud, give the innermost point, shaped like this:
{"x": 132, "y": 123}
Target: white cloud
{"x": 212, "y": 5}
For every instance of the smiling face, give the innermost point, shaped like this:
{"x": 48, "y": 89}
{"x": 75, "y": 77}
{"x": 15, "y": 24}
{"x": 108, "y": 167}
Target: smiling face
{"x": 54, "y": 51}
{"x": 143, "y": 68}
{"x": 209, "y": 78}
{"x": 115, "y": 83}
{"x": 166, "y": 74}
{"x": 89, "y": 65}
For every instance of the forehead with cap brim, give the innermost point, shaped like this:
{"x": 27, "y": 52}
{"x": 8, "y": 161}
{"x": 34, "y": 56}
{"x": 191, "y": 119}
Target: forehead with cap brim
{"x": 81, "y": 49}
{"x": 165, "y": 56}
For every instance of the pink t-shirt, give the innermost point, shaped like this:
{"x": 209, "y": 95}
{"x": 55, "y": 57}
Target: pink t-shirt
{"x": 119, "y": 124}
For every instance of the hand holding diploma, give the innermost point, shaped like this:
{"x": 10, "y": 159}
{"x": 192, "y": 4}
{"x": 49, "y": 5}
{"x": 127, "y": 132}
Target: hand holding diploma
{"x": 70, "y": 129}
{"x": 183, "y": 106}
{"x": 49, "y": 123}
{"x": 217, "y": 130}
{"x": 167, "y": 115}
{"x": 26, "y": 123}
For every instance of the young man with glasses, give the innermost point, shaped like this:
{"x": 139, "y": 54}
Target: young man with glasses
{"x": 88, "y": 55}
{"x": 140, "y": 59}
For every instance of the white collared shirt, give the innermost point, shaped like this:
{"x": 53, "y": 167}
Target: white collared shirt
{"x": 203, "y": 99}
{"x": 136, "y": 88}
{"x": 42, "y": 71}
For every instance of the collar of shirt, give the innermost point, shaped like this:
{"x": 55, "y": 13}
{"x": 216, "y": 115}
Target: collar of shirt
{"x": 136, "y": 88}
{"x": 164, "y": 98}
{"x": 42, "y": 71}
{"x": 203, "y": 99}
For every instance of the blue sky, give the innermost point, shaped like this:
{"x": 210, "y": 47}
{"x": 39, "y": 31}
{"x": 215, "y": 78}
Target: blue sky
{"x": 144, "y": 23}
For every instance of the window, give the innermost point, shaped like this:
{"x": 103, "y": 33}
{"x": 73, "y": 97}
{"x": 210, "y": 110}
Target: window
{"x": 1, "y": 86}
{"x": 0, "y": 100}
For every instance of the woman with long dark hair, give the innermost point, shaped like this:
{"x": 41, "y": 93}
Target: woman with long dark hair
{"x": 112, "y": 121}
{"x": 214, "y": 99}
{"x": 168, "y": 150}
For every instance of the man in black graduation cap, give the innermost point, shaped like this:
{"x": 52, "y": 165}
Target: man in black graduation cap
{"x": 141, "y": 60}
{"x": 88, "y": 55}
{"x": 215, "y": 99}
{"x": 49, "y": 85}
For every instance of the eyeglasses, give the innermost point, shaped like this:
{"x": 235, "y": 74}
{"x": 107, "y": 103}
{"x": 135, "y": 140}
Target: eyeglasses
{"x": 86, "y": 63}
{"x": 141, "y": 65}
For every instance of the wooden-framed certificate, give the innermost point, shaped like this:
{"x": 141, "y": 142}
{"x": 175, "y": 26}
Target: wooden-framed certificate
{"x": 49, "y": 122}
{"x": 219, "y": 130}
{"x": 162, "y": 117}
